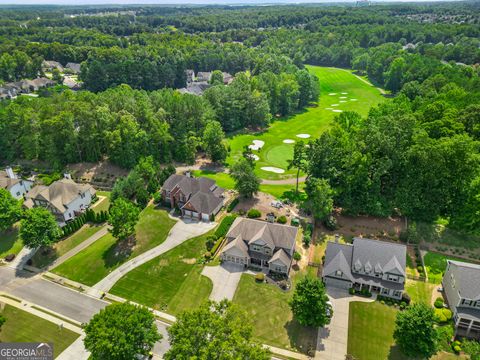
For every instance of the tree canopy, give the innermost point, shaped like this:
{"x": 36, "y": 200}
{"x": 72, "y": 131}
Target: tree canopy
{"x": 39, "y": 228}
{"x": 309, "y": 302}
{"x": 10, "y": 210}
{"x": 246, "y": 182}
{"x": 123, "y": 218}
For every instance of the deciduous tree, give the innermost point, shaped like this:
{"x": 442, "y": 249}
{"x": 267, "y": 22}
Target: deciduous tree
{"x": 309, "y": 302}
{"x": 10, "y": 210}
{"x": 123, "y": 218}
{"x": 246, "y": 182}
{"x": 213, "y": 141}
{"x": 39, "y": 228}
{"x": 319, "y": 198}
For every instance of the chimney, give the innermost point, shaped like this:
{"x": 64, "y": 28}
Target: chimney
{"x": 336, "y": 238}
{"x": 67, "y": 176}
{"x": 10, "y": 173}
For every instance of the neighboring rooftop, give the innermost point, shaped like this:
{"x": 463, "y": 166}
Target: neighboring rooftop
{"x": 467, "y": 279}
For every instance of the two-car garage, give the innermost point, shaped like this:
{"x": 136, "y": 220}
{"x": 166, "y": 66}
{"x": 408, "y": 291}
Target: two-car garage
{"x": 195, "y": 215}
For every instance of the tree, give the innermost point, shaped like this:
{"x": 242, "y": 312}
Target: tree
{"x": 121, "y": 332}
{"x": 415, "y": 333}
{"x": 299, "y": 159}
{"x": 39, "y": 228}
{"x": 217, "y": 78}
{"x": 214, "y": 331}
{"x": 213, "y": 140}
{"x": 10, "y": 210}
{"x": 57, "y": 76}
{"x": 472, "y": 348}
{"x": 319, "y": 198}
{"x": 123, "y": 218}
{"x": 309, "y": 302}
{"x": 297, "y": 256}
{"x": 246, "y": 182}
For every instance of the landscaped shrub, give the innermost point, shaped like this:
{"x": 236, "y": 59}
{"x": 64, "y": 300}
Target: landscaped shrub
{"x": 330, "y": 223}
{"x": 260, "y": 277}
{"x": 157, "y": 197}
{"x": 282, "y": 219}
{"x": 351, "y": 291}
{"x": 306, "y": 239}
{"x": 232, "y": 205}
{"x": 438, "y": 303}
{"x": 212, "y": 217}
{"x": 224, "y": 226}
{"x": 211, "y": 239}
{"x": 208, "y": 255}
{"x": 443, "y": 315}
{"x": 406, "y": 298}
{"x": 420, "y": 269}
{"x": 253, "y": 214}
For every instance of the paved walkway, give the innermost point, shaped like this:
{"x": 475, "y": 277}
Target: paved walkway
{"x": 23, "y": 256}
{"x": 225, "y": 279}
{"x": 183, "y": 230}
{"x": 332, "y": 340}
{"x": 76, "y": 351}
{"x": 103, "y": 231}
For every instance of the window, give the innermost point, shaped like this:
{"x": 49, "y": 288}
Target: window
{"x": 338, "y": 273}
{"x": 392, "y": 278}
{"x": 397, "y": 293}
{"x": 477, "y": 304}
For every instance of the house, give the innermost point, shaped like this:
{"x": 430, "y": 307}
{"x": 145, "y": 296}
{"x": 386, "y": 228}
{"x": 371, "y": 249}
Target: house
{"x": 39, "y": 83}
{"x": 71, "y": 83}
{"x": 262, "y": 245}
{"x": 227, "y": 78}
{"x": 64, "y": 198}
{"x": 15, "y": 185}
{"x": 190, "y": 74}
{"x": 461, "y": 288}
{"x": 73, "y": 68}
{"x": 204, "y": 76}
{"x": 197, "y": 198}
{"x": 378, "y": 266}
{"x": 196, "y": 88}
{"x": 50, "y": 65}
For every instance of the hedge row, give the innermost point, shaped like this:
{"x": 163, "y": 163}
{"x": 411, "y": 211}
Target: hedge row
{"x": 232, "y": 205}
{"x": 88, "y": 216}
{"x": 224, "y": 226}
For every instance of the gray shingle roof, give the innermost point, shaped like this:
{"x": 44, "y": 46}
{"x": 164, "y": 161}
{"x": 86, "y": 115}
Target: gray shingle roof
{"x": 390, "y": 257}
{"x": 338, "y": 257}
{"x": 282, "y": 256}
{"x": 205, "y": 203}
{"x": 281, "y": 236}
{"x": 467, "y": 279}
{"x": 238, "y": 244}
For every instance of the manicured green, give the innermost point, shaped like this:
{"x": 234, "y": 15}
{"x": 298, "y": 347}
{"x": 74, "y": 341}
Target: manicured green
{"x": 170, "y": 282}
{"x": 44, "y": 257}
{"x": 103, "y": 204}
{"x": 223, "y": 179}
{"x": 273, "y": 319}
{"x": 22, "y": 326}
{"x": 96, "y": 261}
{"x": 370, "y": 331}
{"x": 10, "y": 242}
{"x": 420, "y": 291}
{"x": 436, "y": 264}
{"x": 313, "y": 121}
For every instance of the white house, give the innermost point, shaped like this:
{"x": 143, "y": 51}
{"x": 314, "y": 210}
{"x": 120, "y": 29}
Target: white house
{"x": 65, "y": 199}
{"x": 11, "y": 182}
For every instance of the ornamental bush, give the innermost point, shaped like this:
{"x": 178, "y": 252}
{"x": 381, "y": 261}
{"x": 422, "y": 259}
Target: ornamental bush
{"x": 260, "y": 277}
{"x": 253, "y": 214}
{"x": 438, "y": 303}
{"x": 282, "y": 219}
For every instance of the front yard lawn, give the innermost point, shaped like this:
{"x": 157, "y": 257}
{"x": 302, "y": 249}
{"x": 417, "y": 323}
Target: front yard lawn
{"x": 370, "y": 331}
{"x": 22, "y": 326}
{"x": 271, "y": 316}
{"x": 420, "y": 291}
{"x": 10, "y": 242}
{"x": 45, "y": 256}
{"x": 102, "y": 204}
{"x": 99, "y": 259}
{"x": 171, "y": 282}
{"x": 436, "y": 264}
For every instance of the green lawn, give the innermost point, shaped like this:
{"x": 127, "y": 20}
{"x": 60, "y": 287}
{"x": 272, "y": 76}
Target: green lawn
{"x": 102, "y": 204}
{"x": 435, "y": 264}
{"x": 99, "y": 259}
{"x": 223, "y": 180}
{"x": 268, "y": 308}
{"x": 10, "y": 242}
{"x": 420, "y": 291}
{"x": 170, "y": 282}
{"x": 370, "y": 331}
{"x": 313, "y": 121}
{"x": 22, "y": 326}
{"x": 45, "y": 256}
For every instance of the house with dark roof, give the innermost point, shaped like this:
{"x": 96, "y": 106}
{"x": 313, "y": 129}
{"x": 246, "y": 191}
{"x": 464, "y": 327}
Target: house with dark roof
{"x": 74, "y": 68}
{"x": 378, "y": 266}
{"x": 64, "y": 198}
{"x": 50, "y": 65}
{"x": 197, "y": 198}
{"x": 11, "y": 182}
{"x": 262, "y": 245}
{"x": 461, "y": 288}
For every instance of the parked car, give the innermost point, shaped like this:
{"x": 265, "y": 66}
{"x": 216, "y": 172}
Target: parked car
{"x": 329, "y": 309}
{"x": 10, "y": 257}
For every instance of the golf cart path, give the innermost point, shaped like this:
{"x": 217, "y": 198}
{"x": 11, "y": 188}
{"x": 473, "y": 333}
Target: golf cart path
{"x": 183, "y": 230}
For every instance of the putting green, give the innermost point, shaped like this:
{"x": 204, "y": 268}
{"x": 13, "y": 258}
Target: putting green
{"x": 314, "y": 120}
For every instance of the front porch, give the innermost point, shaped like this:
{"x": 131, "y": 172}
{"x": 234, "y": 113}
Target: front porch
{"x": 394, "y": 294}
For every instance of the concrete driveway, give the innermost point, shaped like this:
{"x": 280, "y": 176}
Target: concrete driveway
{"x": 332, "y": 340}
{"x": 183, "y": 230}
{"x": 225, "y": 280}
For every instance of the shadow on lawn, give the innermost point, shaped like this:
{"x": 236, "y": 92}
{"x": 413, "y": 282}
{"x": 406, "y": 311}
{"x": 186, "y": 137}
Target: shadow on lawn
{"x": 302, "y": 338}
{"x": 396, "y": 354}
{"x": 119, "y": 252}
{"x": 8, "y": 239}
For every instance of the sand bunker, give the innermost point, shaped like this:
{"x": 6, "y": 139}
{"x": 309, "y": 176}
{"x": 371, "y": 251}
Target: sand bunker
{"x": 336, "y": 110}
{"x": 273, "y": 169}
{"x": 328, "y": 109}
{"x": 254, "y": 157}
{"x": 344, "y": 93}
{"x": 332, "y": 94}
{"x": 343, "y": 97}
{"x": 343, "y": 101}
{"x": 257, "y": 145}
{"x": 353, "y": 99}
{"x": 288, "y": 141}
{"x": 303, "y": 136}
{"x": 334, "y": 104}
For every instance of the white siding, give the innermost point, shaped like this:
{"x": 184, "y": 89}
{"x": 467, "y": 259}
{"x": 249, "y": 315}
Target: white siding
{"x": 79, "y": 204}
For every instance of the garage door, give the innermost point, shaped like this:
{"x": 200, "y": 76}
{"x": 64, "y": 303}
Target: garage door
{"x": 188, "y": 213}
{"x": 195, "y": 215}
{"x": 205, "y": 217}
{"x": 338, "y": 283}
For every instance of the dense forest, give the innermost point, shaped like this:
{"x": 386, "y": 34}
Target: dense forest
{"x": 417, "y": 154}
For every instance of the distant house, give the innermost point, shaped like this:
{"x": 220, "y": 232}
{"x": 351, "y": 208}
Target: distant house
{"x": 409, "y": 46}
{"x": 190, "y": 74}
{"x": 40, "y": 83}
{"x": 14, "y": 184}
{"x": 196, "y": 88}
{"x": 8, "y": 91}
{"x": 227, "y": 78}
{"x": 50, "y": 65}
{"x": 64, "y": 198}
{"x": 461, "y": 287}
{"x": 204, "y": 76}
{"x": 197, "y": 198}
{"x": 375, "y": 265}
{"x": 71, "y": 83}
{"x": 74, "y": 68}
{"x": 262, "y": 245}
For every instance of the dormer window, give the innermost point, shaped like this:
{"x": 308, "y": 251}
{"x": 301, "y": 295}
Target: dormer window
{"x": 368, "y": 267}
{"x": 339, "y": 273}
{"x": 357, "y": 266}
